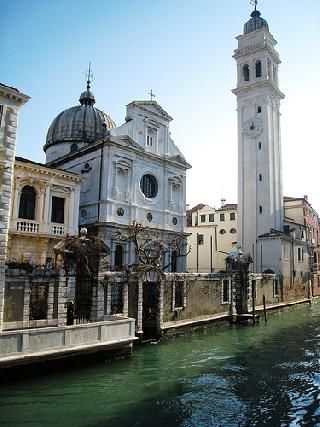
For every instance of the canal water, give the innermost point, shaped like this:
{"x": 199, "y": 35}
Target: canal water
{"x": 267, "y": 375}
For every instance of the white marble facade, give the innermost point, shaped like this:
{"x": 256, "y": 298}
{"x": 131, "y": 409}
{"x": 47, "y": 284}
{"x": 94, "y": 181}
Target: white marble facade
{"x": 11, "y": 101}
{"x": 260, "y": 200}
{"x": 135, "y": 173}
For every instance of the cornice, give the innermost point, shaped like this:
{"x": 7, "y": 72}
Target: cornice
{"x": 252, "y": 86}
{"x": 13, "y": 94}
{"x": 162, "y": 113}
{"x": 42, "y": 170}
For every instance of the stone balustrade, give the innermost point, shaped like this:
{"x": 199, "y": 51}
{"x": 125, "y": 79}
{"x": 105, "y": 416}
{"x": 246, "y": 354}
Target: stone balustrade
{"x": 34, "y": 227}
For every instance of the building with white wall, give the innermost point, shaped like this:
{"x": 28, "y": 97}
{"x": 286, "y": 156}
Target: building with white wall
{"x": 261, "y": 227}
{"x": 11, "y": 100}
{"x": 133, "y": 172}
{"x": 44, "y": 209}
{"x": 212, "y": 234}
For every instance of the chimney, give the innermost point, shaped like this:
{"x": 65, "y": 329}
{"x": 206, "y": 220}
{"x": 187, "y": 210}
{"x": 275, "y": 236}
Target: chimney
{"x": 223, "y": 201}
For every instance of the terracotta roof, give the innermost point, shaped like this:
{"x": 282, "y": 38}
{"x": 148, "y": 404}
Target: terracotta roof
{"x": 190, "y": 211}
{"x": 228, "y": 207}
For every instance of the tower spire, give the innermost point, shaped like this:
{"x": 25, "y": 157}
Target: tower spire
{"x": 89, "y": 76}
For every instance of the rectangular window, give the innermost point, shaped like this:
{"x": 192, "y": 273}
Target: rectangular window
{"x": 200, "y": 239}
{"x": 225, "y": 291}
{"x": 178, "y": 294}
{"x": 202, "y": 218}
{"x": 276, "y": 289}
{"x": 149, "y": 140}
{"x": 116, "y": 305}
{"x": 221, "y": 217}
{"x": 300, "y": 254}
{"x": 211, "y": 217}
{"x": 232, "y": 216}
{"x": 57, "y": 212}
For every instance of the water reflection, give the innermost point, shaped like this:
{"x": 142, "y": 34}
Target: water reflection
{"x": 228, "y": 376}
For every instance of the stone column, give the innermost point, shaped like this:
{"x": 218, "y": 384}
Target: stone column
{"x": 15, "y": 207}
{"x": 160, "y": 306}
{"x": 94, "y": 302}
{"x": 50, "y": 301}
{"x": 125, "y": 299}
{"x": 46, "y": 219}
{"x": 108, "y": 302}
{"x": 71, "y": 212}
{"x": 140, "y": 307}
{"x": 26, "y": 302}
{"x": 100, "y": 297}
{"x": 10, "y": 100}
{"x": 62, "y": 299}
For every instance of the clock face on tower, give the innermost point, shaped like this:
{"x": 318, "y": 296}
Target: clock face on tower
{"x": 253, "y": 127}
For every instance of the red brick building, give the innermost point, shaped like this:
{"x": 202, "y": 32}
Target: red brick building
{"x": 300, "y": 211}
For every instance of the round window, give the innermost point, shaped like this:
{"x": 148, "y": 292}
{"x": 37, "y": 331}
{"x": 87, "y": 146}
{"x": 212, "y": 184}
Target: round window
{"x": 233, "y": 231}
{"x": 222, "y": 231}
{"x": 174, "y": 221}
{"x": 120, "y": 212}
{"x": 149, "y": 217}
{"x": 149, "y": 186}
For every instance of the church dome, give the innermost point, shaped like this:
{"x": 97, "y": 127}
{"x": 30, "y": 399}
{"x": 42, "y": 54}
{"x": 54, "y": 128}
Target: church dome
{"x": 80, "y": 123}
{"x": 255, "y": 23}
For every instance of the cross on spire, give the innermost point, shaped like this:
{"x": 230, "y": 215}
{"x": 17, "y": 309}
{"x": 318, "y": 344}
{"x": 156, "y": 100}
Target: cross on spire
{"x": 152, "y": 95}
{"x": 254, "y": 2}
{"x": 89, "y": 76}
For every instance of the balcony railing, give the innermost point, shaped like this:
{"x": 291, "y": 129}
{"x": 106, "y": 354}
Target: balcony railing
{"x": 58, "y": 230}
{"x": 26, "y": 226}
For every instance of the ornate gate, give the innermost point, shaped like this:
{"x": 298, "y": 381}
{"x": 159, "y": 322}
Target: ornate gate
{"x": 150, "y": 309}
{"x": 83, "y": 296}
{"x": 38, "y": 301}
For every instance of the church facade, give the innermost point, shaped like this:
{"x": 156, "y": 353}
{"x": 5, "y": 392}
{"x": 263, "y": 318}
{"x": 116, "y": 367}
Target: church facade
{"x": 131, "y": 173}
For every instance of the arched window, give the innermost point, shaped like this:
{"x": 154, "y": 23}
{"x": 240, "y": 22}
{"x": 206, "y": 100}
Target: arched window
{"x": 73, "y": 148}
{"x": 118, "y": 257}
{"x": 260, "y": 177}
{"x": 174, "y": 257}
{"x": 27, "y": 205}
{"x": 258, "y": 69}
{"x": 245, "y": 72}
{"x": 260, "y": 209}
{"x": 259, "y": 145}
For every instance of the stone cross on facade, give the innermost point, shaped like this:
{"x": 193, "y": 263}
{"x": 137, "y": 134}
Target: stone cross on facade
{"x": 254, "y": 3}
{"x": 152, "y": 95}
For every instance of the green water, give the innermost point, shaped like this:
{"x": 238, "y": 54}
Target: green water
{"x": 216, "y": 376}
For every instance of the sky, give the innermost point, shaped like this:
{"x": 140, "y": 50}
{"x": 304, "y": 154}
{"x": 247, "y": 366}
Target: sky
{"x": 182, "y": 50}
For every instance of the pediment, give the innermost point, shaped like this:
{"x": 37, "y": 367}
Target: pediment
{"x": 154, "y": 108}
{"x": 181, "y": 161}
{"x": 126, "y": 141}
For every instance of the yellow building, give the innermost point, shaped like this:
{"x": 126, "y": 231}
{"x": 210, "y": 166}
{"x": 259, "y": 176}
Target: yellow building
{"x": 45, "y": 207}
{"x": 213, "y": 234}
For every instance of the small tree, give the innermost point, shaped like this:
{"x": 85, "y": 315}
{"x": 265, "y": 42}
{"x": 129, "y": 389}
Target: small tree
{"x": 150, "y": 248}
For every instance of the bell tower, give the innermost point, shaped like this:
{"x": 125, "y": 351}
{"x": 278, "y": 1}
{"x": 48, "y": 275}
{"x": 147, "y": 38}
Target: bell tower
{"x": 260, "y": 199}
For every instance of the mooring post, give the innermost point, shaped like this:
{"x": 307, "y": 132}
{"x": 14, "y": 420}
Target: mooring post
{"x": 253, "y": 302}
{"x": 264, "y": 308}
